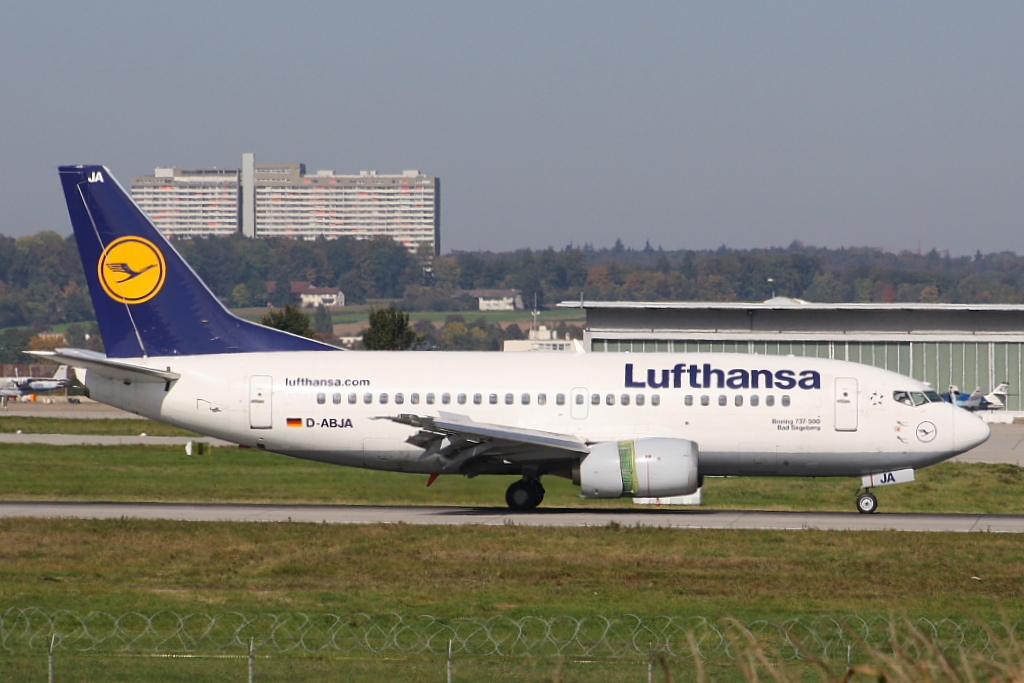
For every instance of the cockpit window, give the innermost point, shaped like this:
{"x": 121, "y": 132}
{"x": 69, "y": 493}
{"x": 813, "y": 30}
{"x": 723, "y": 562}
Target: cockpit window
{"x": 902, "y": 397}
{"x": 933, "y": 396}
{"x": 918, "y": 398}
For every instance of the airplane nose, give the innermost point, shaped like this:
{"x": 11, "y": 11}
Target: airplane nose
{"x": 969, "y": 430}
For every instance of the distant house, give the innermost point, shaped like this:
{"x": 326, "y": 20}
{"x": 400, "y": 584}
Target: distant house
{"x": 306, "y": 295}
{"x": 540, "y": 339}
{"x": 494, "y": 299}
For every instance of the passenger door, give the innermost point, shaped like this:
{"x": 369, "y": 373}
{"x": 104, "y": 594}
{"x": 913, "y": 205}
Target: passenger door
{"x": 846, "y": 404}
{"x": 261, "y": 389}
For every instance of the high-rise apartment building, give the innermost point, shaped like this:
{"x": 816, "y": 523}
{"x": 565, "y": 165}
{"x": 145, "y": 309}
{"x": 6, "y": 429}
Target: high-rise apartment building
{"x": 281, "y": 200}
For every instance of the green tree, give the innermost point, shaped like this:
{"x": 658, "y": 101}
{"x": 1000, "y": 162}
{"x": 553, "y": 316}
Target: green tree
{"x": 322, "y": 320}
{"x": 240, "y": 296}
{"x": 289, "y": 319}
{"x": 389, "y": 331}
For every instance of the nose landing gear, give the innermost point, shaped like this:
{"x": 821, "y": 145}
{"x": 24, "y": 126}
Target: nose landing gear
{"x": 866, "y": 502}
{"x": 524, "y": 495}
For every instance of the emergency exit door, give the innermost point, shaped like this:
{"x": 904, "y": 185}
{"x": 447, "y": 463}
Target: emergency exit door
{"x": 846, "y": 404}
{"x": 261, "y": 389}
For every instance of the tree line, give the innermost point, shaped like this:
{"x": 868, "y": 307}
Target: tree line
{"x": 42, "y": 282}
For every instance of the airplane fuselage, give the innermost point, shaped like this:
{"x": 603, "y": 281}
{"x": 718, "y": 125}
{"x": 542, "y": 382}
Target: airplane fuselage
{"x": 749, "y": 415}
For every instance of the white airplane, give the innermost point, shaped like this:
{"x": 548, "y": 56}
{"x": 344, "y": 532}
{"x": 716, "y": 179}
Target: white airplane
{"x": 16, "y": 387}
{"x": 645, "y": 426}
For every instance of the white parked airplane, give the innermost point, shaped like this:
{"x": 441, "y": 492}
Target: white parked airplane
{"x": 16, "y": 387}
{"x": 618, "y": 425}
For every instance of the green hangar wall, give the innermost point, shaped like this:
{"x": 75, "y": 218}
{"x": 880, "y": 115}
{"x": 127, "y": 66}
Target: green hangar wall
{"x": 969, "y": 346}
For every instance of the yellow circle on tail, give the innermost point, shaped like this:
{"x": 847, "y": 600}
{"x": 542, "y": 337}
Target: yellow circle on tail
{"x": 132, "y": 270}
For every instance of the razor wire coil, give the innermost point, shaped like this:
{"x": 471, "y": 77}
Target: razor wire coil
{"x": 589, "y": 637}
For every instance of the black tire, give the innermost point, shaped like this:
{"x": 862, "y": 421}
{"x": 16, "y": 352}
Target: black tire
{"x": 524, "y": 495}
{"x": 867, "y": 503}
{"x": 537, "y": 490}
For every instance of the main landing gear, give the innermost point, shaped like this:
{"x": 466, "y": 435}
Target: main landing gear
{"x": 525, "y": 494}
{"x": 866, "y": 502}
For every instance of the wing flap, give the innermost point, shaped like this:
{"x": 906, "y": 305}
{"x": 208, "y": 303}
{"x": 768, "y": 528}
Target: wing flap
{"x": 435, "y": 428}
{"x": 465, "y": 446}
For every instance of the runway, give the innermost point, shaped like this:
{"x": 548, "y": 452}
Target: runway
{"x": 550, "y": 517}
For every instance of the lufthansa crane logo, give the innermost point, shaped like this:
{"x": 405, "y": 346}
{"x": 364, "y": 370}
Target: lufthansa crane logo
{"x": 926, "y": 432}
{"x": 132, "y": 270}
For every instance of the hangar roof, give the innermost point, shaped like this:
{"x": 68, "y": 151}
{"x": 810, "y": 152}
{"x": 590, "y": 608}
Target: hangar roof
{"x": 786, "y": 303}
{"x": 796, "y": 319}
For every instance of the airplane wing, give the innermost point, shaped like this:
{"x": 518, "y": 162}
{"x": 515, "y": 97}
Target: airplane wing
{"x": 108, "y": 367}
{"x": 463, "y": 444}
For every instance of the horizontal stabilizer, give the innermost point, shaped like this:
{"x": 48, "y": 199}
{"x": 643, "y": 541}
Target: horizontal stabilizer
{"x": 108, "y": 367}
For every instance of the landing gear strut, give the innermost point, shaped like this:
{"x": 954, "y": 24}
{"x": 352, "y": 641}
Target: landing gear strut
{"x": 866, "y": 502}
{"x": 525, "y": 494}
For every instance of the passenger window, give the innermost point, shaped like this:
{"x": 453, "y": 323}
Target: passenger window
{"x": 560, "y": 399}
{"x": 753, "y": 400}
{"x": 430, "y": 399}
{"x": 446, "y": 398}
{"x": 901, "y": 397}
{"x": 509, "y": 399}
{"x": 399, "y": 399}
{"x": 705, "y": 400}
{"x": 493, "y": 399}
{"x": 321, "y": 398}
{"x": 525, "y": 399}
{"x": 722, "y": 400}
{"x": 383, "y": 399}
{"x": 367, "y": 398}
{"x": 579, "y": 399}
{"x": 919, "y": 398}
{"x": 655, "y": 400}
{"x": 639, "y": 399}
{"x": 542, "y": 399}
{"x": 461, "y": 398}
{"x": 738, "y": 400}
{"x": 595, "y": 399}
{"x": 769, "y": 400}
{"x": 337, "y": 399}
{"x": 624, "y": 399}
{"x": 610, "y": 399}
{"x": 477, "y": 399}
{"x": 352, "y": 398}
{"x": 414, "y": 399}
{"x": 785, "y": 400}
{"x": 688, "y": 400}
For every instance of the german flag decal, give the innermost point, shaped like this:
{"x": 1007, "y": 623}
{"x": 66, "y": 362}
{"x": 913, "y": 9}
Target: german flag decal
{"x": 294, "y": 421}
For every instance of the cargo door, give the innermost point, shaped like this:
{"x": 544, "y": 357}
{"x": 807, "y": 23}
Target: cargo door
{"x": 579, "y": 403}
{"x": 846, "y": 404}
{"x": 261, "y": 388}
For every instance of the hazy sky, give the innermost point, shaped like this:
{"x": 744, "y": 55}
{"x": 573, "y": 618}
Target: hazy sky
{"x": 691, "y": 124}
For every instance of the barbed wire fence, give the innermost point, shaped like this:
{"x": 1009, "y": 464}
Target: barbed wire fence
{"x": 590, "y": 637}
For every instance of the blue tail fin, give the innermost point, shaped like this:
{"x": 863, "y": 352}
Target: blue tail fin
{"x": 148, "y": 301}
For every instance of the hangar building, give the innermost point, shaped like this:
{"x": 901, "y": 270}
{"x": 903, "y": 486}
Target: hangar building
{"x": 967, "y": 345}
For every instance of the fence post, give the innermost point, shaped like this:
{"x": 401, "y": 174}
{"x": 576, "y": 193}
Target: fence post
{"x": 252, "y": 663}
{"x": 49, "y": 659}
{"x": 449, "y": 667}
{"x": 650, "y": 663}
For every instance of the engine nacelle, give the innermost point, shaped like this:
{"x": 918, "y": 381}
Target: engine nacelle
{"x": 640, "y": 468}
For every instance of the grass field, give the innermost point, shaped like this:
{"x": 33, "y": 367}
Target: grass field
{"x": 122, "y": 565}
{"x": 117, "y": 566}
{"x": 158, "y": 473}
{"x": 13, "y": 423}
{"x": 361, "y": 314}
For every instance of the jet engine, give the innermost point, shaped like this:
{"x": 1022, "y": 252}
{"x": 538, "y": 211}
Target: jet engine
{"x": 641, "y": 468}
